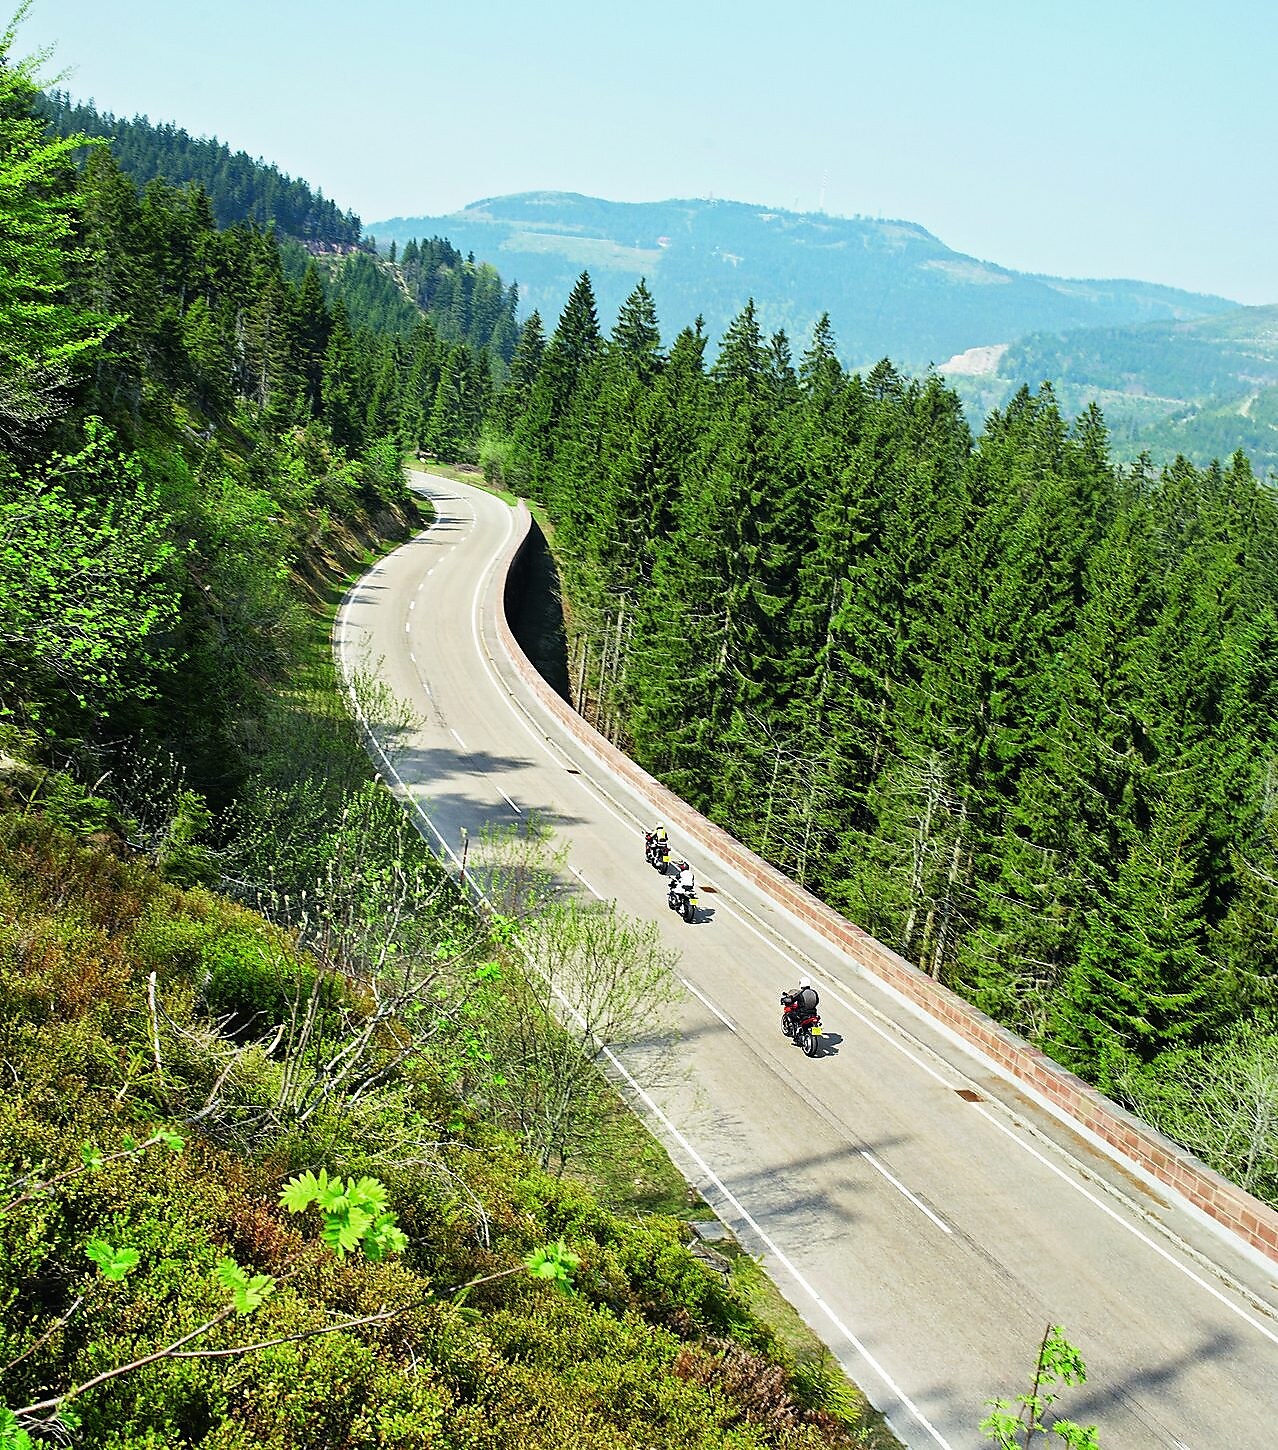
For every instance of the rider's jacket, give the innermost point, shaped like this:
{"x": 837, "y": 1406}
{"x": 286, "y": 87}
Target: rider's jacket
{"x": 805, "y": 1001}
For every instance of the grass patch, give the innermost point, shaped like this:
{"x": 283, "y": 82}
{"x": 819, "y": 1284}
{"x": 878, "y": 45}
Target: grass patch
{"x": 814, "y": 1362}
{"x": 631, "y": 1173}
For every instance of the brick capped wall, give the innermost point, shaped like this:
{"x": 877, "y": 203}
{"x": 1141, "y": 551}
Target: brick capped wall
{"x": 1237, "y": 1210}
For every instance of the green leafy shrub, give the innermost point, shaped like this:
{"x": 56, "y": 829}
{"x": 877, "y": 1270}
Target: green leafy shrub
{"x": 248, "y": 979}
{"x": 477, "y": 1352}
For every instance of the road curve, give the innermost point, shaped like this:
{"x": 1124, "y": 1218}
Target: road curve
{"x": 925, "y": 1215}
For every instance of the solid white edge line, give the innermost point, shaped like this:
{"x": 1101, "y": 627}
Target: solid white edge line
{"x": 701, "y": 997}
{"x": 781, "y": 1257}
{"x": 878, "y": 1369}
{"x": 584, "y": 882}
{"x": 651, "y": 1106}
{"x": 1131, "y": 1228}
{"x": 903, "y": 1190}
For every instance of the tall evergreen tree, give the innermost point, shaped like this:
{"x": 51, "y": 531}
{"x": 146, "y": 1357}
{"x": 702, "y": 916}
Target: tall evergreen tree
{"x": 572, "y": 350}
{"x": 43, "y": 339}
{"x": 636, "y": 339}
{"x": 1142, "y": 983}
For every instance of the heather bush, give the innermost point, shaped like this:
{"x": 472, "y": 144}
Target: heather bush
{"x": 125, "y": 1004}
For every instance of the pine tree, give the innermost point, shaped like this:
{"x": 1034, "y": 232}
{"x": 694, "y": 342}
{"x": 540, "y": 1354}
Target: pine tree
{"x": 1142, "y": 984}
{"x": 310, "y": 327}
{"x": 44, "y": 340}
{"x": 110, "y": 279}
{"x": 636, "y": 339}
{"x": 567, "y": 360}
{"x": 208, "y": 352}
{"x": 340, "y": 402}
{"x": 524, "y": 367}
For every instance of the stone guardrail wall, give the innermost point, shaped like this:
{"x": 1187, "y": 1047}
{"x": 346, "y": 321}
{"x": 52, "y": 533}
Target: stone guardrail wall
{"x": 1253, "y": 1221}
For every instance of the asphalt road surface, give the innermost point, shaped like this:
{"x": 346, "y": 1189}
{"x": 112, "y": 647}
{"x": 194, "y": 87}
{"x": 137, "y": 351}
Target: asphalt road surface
{"x": 925, "y": 1215}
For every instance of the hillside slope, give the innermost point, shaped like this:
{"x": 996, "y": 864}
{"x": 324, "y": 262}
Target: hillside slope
{"x": 1203, "y": 387}
{"x": 891, "y": 288}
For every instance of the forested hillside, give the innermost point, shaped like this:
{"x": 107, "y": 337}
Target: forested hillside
{"x": 1010, "y": 707}
{"x": 218, "y": 409}
{"x": 465, "y": 301}
{"x": 261, "y": 1055}
{"x": 239, "y": 188}
{"x": 890, "y": 286}
{"x": 1203, "y": 388}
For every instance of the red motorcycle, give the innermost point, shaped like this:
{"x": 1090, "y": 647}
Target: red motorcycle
{"x": 803, "y": 1028}
{"x": 656, "y": 852}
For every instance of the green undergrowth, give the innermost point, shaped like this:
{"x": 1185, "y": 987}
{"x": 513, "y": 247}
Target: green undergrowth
{"x": 111, "y": 984}
{"x": 813, "y": 1362}
{"x": 630, "y": 1172}
{"x": 130, "y": 1001}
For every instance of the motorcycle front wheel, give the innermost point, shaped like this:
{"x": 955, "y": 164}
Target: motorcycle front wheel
{"x": 787, "y": 1024}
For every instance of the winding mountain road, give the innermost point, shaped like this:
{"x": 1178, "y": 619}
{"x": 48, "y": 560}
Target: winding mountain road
{"x": 924, "y": 1213}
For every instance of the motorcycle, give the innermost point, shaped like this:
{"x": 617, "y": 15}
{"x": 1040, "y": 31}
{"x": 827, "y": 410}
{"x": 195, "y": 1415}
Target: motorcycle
{"x": 805, "y": 1030}
{"x": 684, "y": 902}
{"x": 656, "y": 853}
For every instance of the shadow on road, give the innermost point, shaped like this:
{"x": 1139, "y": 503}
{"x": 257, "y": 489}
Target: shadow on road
{"x": 363, "y": 592}
{"x": 1135, "y": 1410}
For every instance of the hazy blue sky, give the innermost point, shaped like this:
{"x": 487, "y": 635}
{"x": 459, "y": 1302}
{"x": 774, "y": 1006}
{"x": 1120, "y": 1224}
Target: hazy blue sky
{"x": 1132, "y": 138}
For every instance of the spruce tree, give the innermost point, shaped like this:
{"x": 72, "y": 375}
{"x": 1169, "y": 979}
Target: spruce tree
{"x": 1142, "y": 983}
{"x": 636, "y": 339}
{"x": 44, "y": 340}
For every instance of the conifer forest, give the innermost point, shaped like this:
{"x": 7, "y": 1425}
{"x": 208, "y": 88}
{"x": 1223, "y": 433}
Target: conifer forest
{"x": 1010, "y": 707}
{"x": 1006, "y": 705}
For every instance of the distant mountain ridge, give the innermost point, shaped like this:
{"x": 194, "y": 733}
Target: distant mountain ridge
{"x": 891, "y": 287}
{"x": 1202, "y": 387}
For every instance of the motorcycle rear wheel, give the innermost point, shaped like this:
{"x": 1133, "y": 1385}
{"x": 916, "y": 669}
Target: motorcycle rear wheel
{"x": 811, "y": 1045}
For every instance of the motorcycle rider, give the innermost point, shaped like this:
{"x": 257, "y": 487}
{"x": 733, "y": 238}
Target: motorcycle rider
{"x": 802, "y": 1002}
{"x": 679, "y": 893}
{"x": 656, "y": 842}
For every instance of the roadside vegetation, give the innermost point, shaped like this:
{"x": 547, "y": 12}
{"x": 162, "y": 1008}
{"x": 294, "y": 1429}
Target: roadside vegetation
{"x": 178, "y": 1061}
{"x": 290, "y": 1133}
